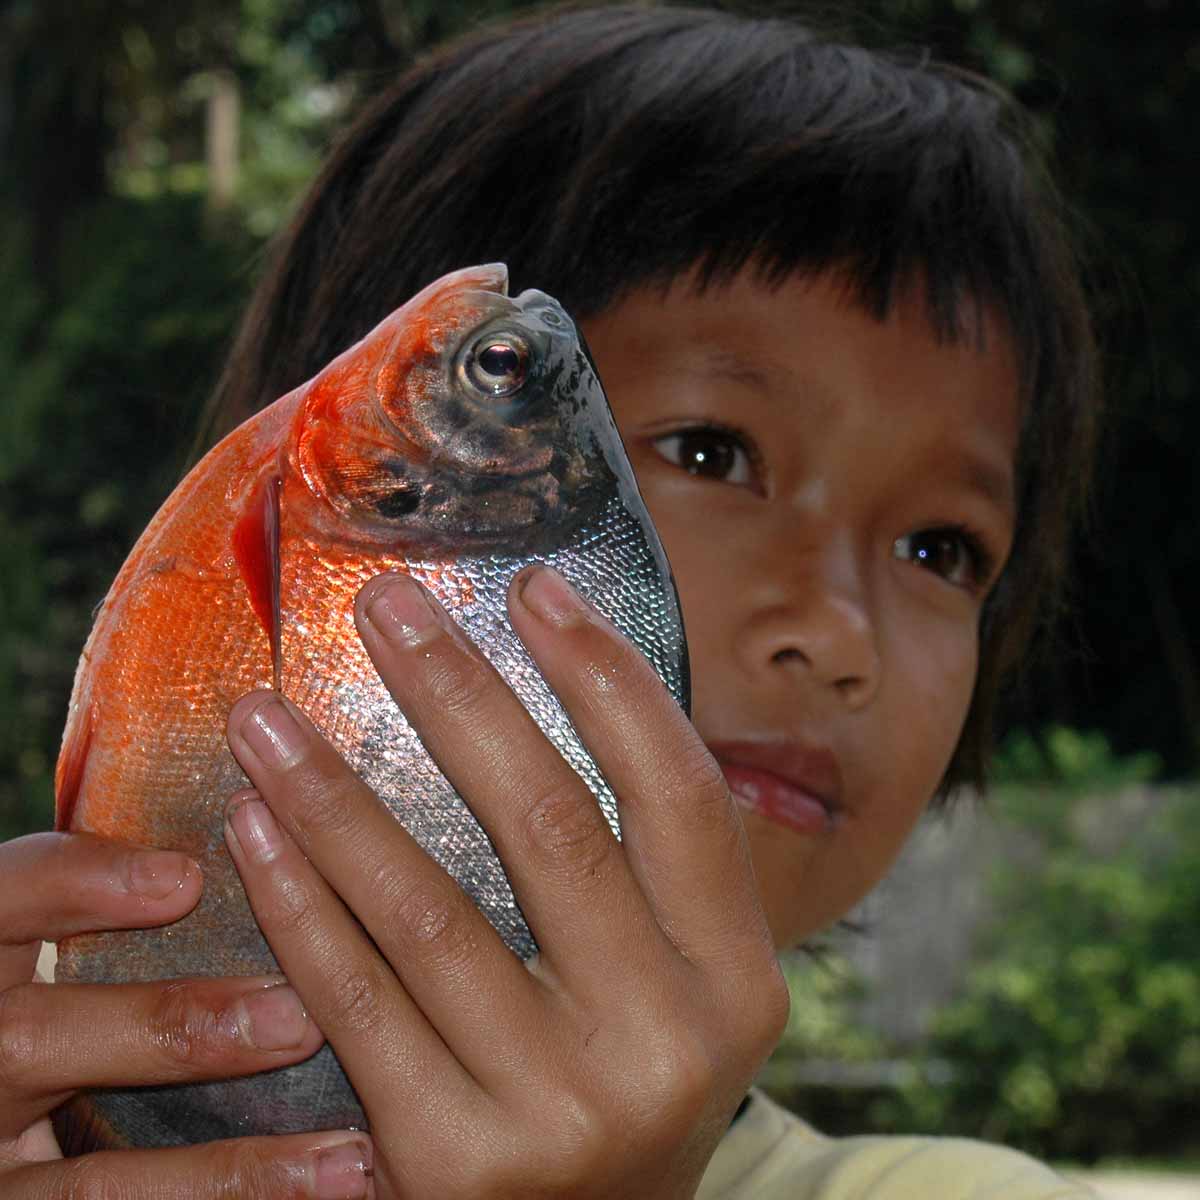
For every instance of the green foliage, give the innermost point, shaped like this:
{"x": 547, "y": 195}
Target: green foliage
{"x": 288, "y": 103}
{"x": 101, "y": 394}
{"x": 1078, "y": 1033}
{"x": 1040, "y": 780}
{"x": 1069, "y": 760}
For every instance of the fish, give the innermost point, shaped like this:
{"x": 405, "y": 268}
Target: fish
{"x": 466, "y": 436}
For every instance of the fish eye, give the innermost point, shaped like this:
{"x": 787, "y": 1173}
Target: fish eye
{"x": 497, "y": 364}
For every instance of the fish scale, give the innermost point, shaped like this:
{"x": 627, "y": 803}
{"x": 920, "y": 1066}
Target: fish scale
{"x": 399, "y": 456}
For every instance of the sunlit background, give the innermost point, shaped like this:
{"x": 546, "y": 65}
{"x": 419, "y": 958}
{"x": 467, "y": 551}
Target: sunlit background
{"x": 1030, "y": 974}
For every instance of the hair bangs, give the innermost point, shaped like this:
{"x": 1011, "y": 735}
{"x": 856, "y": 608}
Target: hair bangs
{"x": 791, "y": 156}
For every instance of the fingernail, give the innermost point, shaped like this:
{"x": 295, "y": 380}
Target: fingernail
{"x": 273, "y": 1018}
{"x": 548, "y": 595}
{"x": 274, "y": 734}
{"x": 254, "y": 828}
{"x": 342, "y": 1172}
{"x": 157, "y": 874}
{"x": 403, "y": 612}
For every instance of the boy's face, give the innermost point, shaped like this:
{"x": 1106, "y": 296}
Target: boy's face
{"x": 836, "y": 498}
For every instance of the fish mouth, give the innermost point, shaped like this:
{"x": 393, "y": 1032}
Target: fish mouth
{"x": 791, "y": 783}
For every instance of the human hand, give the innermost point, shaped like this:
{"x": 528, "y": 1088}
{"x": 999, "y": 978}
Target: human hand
{"x": 612, "y": 1062}
{"x": 56, "y": 1039}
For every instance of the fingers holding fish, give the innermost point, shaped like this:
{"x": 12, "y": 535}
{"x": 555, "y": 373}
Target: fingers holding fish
{"x": 58, "y": 884}
{"x": 678, "y": 821}
{"x": 625, "y": 1022}
{"x": 316, "y": 1166}
{"x": 55, "y": 1040}
{"x": 575, "y": 883}
{"x": 478, "y": 1077}
{"x": 565, "y": 865}
{"x": 377, "y": 1029}
{"x": 647, "y": 979}
{"x": 432, "y": 935}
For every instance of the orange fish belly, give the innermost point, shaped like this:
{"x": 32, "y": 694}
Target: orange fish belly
{"x": 175, "y": 644}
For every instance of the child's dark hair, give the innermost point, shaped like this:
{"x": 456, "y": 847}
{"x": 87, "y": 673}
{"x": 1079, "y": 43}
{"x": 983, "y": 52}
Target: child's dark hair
{"x": 600, "y": 150}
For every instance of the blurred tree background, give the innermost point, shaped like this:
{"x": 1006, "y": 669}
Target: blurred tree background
{"x": 147, "y": 153}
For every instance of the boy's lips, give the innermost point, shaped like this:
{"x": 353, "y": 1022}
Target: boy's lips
{"x": 794, "y": 785}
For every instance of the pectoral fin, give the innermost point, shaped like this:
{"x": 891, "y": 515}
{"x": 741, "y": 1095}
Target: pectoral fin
{"x": 68, "y": 774}
{"x": 256, "y": 548}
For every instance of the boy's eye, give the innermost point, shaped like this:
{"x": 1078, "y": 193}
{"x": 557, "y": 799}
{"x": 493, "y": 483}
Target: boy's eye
{"x": 954, "y": 554}
{"x": 709, "y": 452}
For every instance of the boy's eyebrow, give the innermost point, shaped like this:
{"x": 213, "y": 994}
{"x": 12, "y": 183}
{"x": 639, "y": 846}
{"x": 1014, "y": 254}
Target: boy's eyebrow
{"x": 739, "y": 368}
{"x": 993, "y": 482}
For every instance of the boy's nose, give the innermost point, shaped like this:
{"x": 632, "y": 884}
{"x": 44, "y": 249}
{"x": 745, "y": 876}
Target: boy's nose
{"x": 819, "y": 628}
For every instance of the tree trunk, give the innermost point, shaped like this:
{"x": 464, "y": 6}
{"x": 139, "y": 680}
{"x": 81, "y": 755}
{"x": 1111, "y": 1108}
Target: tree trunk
{"x": 221, "y": 141}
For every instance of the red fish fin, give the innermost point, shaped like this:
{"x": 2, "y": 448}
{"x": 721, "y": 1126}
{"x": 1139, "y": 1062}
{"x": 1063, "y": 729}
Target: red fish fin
{"x": 256, "y": 548}
{"x": 491, "y": 277}
{"x": 68, "y": 774}
{"x": 80, "y": 1129}
{"x": 487, "y": 277}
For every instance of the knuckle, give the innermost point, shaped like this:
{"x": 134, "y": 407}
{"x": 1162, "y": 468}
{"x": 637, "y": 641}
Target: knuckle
{"x": 565, "y": 829}
{"x": 456, "y": 685}
{"x": 324, "y": 799}
{"x": 60, "y": 850}
{"x": 615, "y": 676}
{"x": 685, "y": 1074}
{"x": 577, "y": 1124}
{"x": 755, "y": 1003}
{"x": 93, "y": 1177}
{"x": 476, "y": 1178}
{"x": 773, "y": 1006}
{"x": 354, "y": 1004}
{"x": 706, "y": 793}
{"x": 678, "y": 1078}
{"x": 20, "y": 1039}
{"x": 241, "y": 1172}
{"x": 583, "y": 1136}
{"x": 234, "y": 1170}
{"x": 181, "y": 1030}
{"x": 433, "y": 916}
{"x": 568, "y": 1150}
{"x": 611, "y": 667}
{"x": 291, "y": 907}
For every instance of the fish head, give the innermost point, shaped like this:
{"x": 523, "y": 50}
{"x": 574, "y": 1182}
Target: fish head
{"x": 466, "y": 419}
